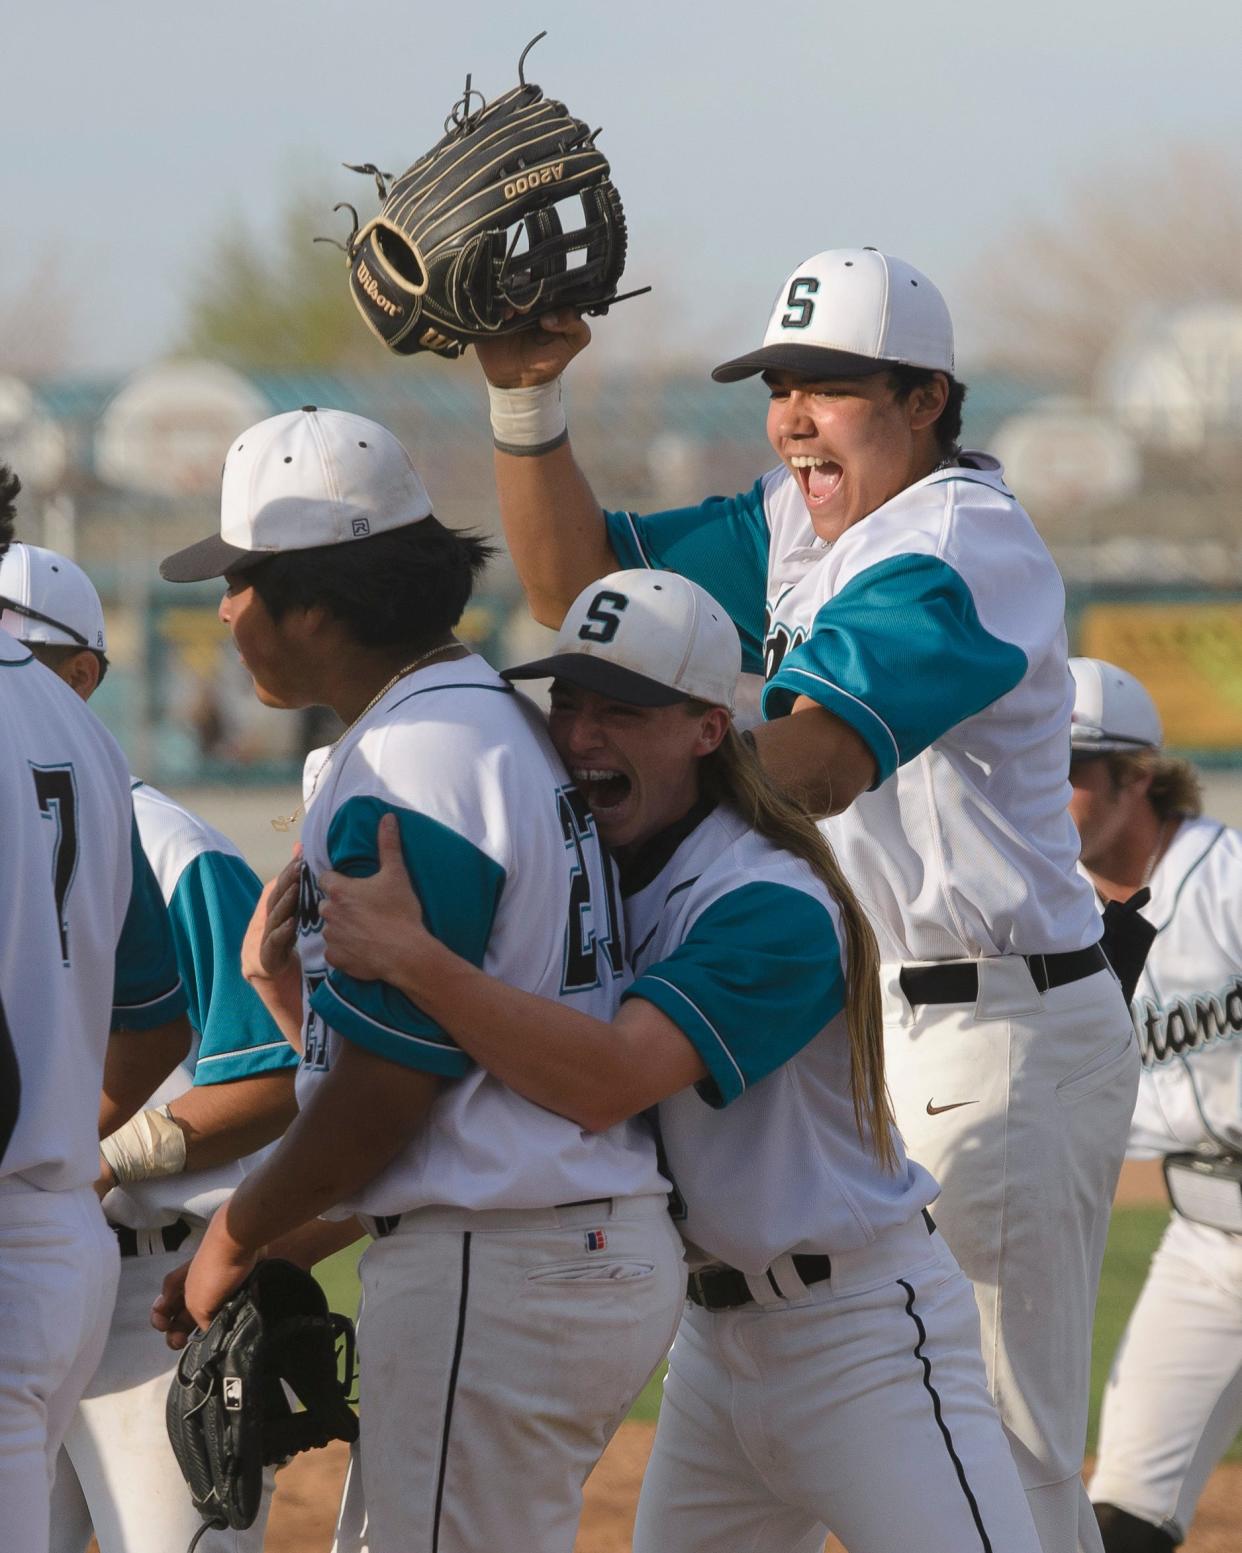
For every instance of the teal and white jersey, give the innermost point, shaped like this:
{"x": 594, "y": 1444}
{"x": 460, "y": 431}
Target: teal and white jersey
{"x": 503, "y": 854}
{"x": 739, "y": 943}
{"x": 935, "y": 628}
{"x": 211, "y": 892}
{"x": 85, "y": 944}
{"x": 1187, "y": 1008}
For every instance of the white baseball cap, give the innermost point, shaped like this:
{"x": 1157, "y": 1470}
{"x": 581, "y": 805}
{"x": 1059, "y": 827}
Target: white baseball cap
{"x": 49, "y": 599}
{"x": 850, "y": 312}
{"x": 646, "y": 638}
{"x": 1112, "y": 710}
{"x": 296, "y": 481}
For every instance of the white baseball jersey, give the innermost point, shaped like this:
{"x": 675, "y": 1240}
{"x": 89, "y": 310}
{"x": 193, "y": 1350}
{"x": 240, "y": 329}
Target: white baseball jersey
{"x": 210, "y": 891}
{"x": 1187, "y": 1008}
{"x": 1174, "y": 1399}
{"x": 739, "y": 944}
{"x": 503, "y": 854}
{"x": 934, "y": 628}
{"x": 85, "y": 944}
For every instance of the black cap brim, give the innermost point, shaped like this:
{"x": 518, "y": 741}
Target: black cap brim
{"x": 597, "y": 674}
{"x": 813, "y": 361}
{"x": 210, "y": 557}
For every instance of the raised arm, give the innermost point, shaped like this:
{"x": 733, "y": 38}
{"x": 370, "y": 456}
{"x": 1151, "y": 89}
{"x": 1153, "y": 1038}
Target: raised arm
{"x": 552, "y": 521}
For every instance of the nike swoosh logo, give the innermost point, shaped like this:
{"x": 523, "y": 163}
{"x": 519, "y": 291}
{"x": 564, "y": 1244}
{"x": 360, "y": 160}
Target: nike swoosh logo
{"x": 935, "y": 1110}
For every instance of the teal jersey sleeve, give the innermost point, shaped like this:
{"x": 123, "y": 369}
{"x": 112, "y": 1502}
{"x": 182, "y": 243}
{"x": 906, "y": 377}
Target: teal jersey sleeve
{"x": 210, "y": 910}
{"x": 901, "y": 656}
{"x": 722, "y": 544}
{"x": 757, "y": 977}
{"x": 459, "y": 888}
{"x": 147, "y": 990}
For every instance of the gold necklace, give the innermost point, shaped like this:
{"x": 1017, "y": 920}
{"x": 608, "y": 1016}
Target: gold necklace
{"x": 283, "y": 822}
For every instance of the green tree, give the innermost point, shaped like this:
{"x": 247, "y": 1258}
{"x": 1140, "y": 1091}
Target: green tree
{"x": 281, "y": 302}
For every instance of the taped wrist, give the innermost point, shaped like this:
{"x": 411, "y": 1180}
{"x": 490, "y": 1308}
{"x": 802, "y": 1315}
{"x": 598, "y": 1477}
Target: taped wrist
{"x": 148, "y": 1145}
{"x": 528, "y": 421}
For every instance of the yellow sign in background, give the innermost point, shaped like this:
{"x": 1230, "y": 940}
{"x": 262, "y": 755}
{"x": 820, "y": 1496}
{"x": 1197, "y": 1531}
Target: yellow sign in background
{"x": 1188, "y": 655}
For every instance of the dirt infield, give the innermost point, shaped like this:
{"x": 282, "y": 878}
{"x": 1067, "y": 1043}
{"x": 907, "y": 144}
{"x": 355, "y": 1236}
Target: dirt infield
{"x": 308, "y": 1489}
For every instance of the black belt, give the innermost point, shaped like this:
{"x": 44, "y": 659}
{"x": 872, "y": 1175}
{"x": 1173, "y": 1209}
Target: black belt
{"x": 173, "y": 1235}
{"x": 724, "y": 1288}
{"x": 957, "y": 981}
{"x": 383, "y": 1225}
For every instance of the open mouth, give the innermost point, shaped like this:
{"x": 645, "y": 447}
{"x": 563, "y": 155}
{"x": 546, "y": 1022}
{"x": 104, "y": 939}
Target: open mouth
{"x": 818, "y": 477}
{"x": 602, "y": 787}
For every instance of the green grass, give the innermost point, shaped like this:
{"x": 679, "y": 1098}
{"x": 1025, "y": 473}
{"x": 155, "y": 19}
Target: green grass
{"x": 1132, "y": 1238}
{"x": 338, "y": 1278}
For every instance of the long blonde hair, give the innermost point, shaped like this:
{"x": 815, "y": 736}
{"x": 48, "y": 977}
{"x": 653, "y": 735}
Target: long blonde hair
{"x": 732, "y": 774}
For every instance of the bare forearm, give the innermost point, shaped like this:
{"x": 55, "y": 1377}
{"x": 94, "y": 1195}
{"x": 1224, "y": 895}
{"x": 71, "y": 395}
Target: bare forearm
{"x": 815, "y": 759}
{"x": 312, "y": 1243}
{"x": 223, "y": 1122}
{"x": 563, "y": 1060}
{"x": 554, "y": 528}
{"x": 282, "y": 998}
{"x": 137, "y": 1063}
{"x": 358, "y": 1121}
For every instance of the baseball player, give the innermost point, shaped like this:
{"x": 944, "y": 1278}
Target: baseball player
{"x": 909, "y": 622}
{"x": 830, "y": 1332}
{"x": 175, "y": 1162}
{"x": 1174, "y": 1399}
{"x": 527, "y": 1278}
{"x": 85, "y": 933}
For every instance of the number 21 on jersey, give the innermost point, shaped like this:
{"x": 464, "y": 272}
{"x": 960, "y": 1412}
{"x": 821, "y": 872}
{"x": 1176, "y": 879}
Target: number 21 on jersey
{"x": 593, "y": 927}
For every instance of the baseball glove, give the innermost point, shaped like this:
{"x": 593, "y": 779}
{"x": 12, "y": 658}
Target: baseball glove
{"x": 469, "y": 241}
{"x": 228, "y": 1413}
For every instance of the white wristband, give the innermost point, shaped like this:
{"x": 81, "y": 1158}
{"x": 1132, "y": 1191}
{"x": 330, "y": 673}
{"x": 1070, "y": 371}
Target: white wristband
{"x": 148, "y": 1145}
{"x": 528, "y": 421}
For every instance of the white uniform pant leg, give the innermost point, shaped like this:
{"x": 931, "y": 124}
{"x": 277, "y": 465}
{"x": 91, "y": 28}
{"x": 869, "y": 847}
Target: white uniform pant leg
{"x": 1174, "y": 1398}
{"x": 116, "y": 1460}
{"x": 864, "y": 1411}
{"x": 1042, "y": 1091}
{"x": 58, "y": 1271}
{"x": 494, "y": 1367}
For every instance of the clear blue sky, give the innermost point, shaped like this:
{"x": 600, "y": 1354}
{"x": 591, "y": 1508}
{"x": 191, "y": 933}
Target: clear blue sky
{"x": 742, "y": 135}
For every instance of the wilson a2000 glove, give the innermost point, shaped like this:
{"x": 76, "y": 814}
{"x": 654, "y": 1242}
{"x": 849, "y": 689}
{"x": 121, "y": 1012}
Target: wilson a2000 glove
{"x": 470, "y": 241}
{"x": 228, "y": 1414}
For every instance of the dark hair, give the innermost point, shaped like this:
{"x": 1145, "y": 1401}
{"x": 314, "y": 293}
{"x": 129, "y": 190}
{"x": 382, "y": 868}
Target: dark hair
{"x": 948, "y": 428}
{"x": 10, "y": 485}
{"x": 54, "y": 654}
{"x": 406, "y": 588}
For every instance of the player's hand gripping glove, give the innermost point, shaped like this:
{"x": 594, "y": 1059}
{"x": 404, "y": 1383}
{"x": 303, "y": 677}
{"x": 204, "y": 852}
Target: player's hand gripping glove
{"x": 228, "y": 1414}
{"x": 469, "y": 241}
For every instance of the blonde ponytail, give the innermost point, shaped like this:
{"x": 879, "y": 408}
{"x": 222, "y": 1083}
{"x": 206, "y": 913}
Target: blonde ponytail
{"x": 733, "y": 775}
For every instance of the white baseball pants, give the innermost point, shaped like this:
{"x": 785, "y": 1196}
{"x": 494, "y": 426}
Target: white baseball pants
{"x": 861, "y": 1409}
{"x": 1020, "y": 1106}
{"x": 498, "y": 1354}
{"x": 58, "y": 1274}
{"x": 116, "y": 1475}
{"x": 1174, "y": 1398}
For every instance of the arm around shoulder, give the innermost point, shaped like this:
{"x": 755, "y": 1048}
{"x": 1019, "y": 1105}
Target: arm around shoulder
{"x": 815, "y": 758}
